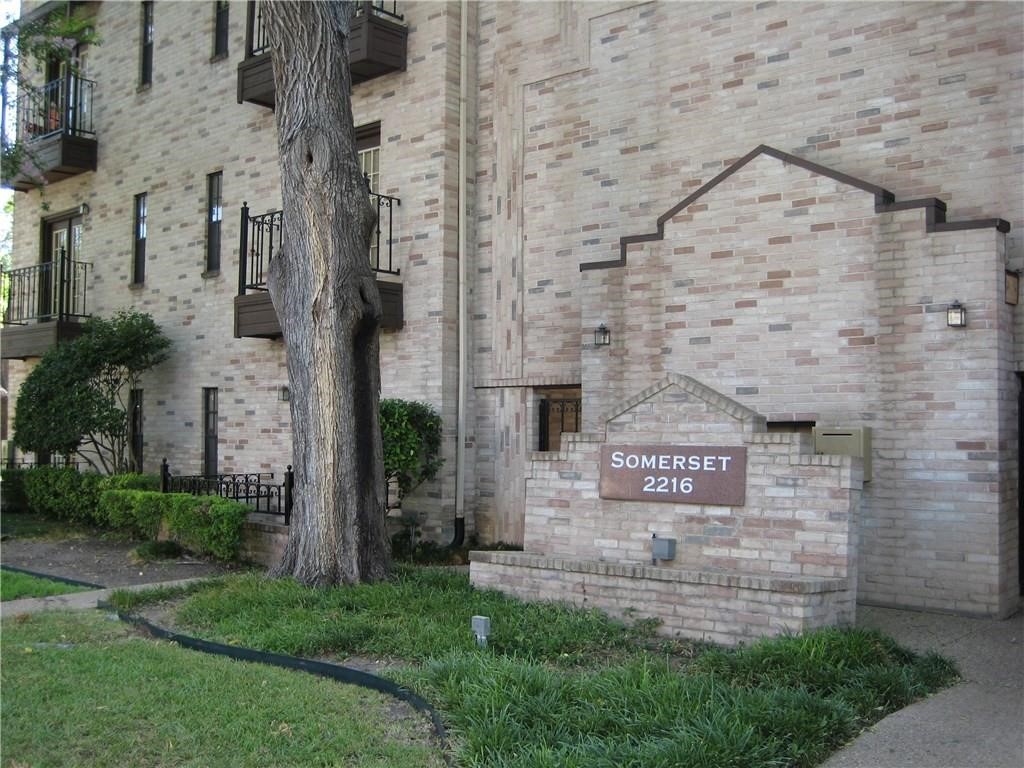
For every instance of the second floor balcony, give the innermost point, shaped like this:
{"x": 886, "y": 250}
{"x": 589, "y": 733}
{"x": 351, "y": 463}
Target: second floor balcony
{"x": 46, "y": 304}
{"x": 261, "y": 238}
{"x": 377, "y": 46}
{"x": 56, "y": 135}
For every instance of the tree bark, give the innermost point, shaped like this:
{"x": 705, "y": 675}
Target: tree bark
{"x": 327, "y": 301}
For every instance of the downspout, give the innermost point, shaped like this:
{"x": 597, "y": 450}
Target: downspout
{"x": 460, "y": 419}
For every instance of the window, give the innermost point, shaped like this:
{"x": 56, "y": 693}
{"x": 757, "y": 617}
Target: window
{"x": 560, "y": 411}
{"x": 368, "y": 147}
{"x": 214, "y": 214}
{"x": 135, "y": 429}
{"x": 139, "y": 249}
{"x": 146, "y": 47}
{"x": 209, "y": 430}
{"x": 220, "y": 29}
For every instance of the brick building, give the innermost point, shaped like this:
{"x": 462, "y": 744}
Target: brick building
{"x": 776, "y": 201}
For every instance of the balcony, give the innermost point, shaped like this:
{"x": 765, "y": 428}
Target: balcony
{"x": 262, "y": 237}
{"x": 377, "y": 46}
{"x": 46, "y": 305}
{"x": 55, "y": 133}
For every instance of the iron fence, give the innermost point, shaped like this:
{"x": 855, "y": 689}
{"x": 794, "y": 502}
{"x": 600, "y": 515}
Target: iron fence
{"x": 255, "y": 489}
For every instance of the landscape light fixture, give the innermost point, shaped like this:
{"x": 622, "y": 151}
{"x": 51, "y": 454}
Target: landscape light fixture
{"x": 602, "y": 336}
{"x": 482, "y": 629}
{"x": 956, "y": 315}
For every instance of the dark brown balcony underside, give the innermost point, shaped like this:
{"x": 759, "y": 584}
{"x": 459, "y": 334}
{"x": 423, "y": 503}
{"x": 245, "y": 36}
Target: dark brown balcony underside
{"x": 18, "y": 342}
{"x": 56, "y": 158}
{"x": 255, "y": 316}
{"x": 377, "y": 47}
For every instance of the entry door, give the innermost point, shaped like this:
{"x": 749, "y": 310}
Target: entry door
{"x": 64, "y": 236}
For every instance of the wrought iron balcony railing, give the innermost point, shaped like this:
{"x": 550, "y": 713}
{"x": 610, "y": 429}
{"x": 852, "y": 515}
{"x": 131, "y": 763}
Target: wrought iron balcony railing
{"x": 257, "y": 40}
{"x": 62, "y": 106}
{"x": 262, "y": 236}
{"x": 49, "y": 291}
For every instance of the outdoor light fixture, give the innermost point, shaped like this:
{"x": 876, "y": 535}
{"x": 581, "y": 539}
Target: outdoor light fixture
{"x": 284, "y": 394}
{"x": 482, "y": 629}
{"x": 956, "y": 315}
{"x": 602, "y": 336}
{"x": 1012, "y": 286}
{"x": 84, "y": 209}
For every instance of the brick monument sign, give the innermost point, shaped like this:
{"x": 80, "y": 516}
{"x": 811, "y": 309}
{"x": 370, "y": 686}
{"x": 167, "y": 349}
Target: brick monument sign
{"x": 766, "y": 529}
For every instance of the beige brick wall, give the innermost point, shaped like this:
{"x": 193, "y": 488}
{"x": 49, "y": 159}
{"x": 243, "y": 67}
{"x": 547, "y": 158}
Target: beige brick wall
{"x": 785, "y": 290}
{"x": 587, "y": 122}
{"x": 597, "y": 118}
{"x": 165, "y": 140}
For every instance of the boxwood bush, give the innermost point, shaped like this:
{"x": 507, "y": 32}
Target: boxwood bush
{"x": 64, "y": 493}
{"x": 67, "y": 494}
{"x": 206, "y": 525}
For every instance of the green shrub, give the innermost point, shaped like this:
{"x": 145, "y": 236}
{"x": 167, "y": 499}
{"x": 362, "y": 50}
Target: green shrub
{"x": 64, "y": 493}
{"x": 135, "y": 512}
{"x": 206, "y": 525}
{"x": 67, "y": 494}
{"x": 157, "y": 550}
{"x": 210, "y": 525}
{"x": 132, "y": 481}
{"x": 411, "y": 437}
{"x": 12, "y": 490}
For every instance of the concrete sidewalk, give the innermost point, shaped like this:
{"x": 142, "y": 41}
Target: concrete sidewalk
{"x": 77, "y": 601}
{"x": 978, "y": 723}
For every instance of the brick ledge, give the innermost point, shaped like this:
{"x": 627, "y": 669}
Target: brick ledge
{"x": 802, "y": 585}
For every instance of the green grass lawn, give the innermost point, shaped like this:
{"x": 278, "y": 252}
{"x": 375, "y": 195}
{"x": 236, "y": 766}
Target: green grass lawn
{"x": 14, "y": 586}
{"x": 564, "y": 687}
{"x": 81, "y": 690}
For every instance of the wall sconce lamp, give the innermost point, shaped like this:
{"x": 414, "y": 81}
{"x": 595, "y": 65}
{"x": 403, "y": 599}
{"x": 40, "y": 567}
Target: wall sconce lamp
{"x": 84, "y": 209}
{"x": 956, "y": 315}
{"x": 284, "y": 394}
{"x": 1012, "y": 287}
{"x": 602, "y": 336}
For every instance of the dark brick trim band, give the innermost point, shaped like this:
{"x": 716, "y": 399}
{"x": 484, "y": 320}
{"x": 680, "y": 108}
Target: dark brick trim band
{"x": 51, "y": 577}
{"x": 885, "y": 201}
{"x": 319, "y": 668}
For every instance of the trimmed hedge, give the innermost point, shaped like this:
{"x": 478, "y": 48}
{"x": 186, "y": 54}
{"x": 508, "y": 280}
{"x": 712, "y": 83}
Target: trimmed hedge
{"x": 12, "y": 490}
{"x": 68, "y": 494}
{"x": 64, "y": 493}
{"x": 206, "y": 525}
{"x": 209, "y": 525}
{"x": 132, "y": 481}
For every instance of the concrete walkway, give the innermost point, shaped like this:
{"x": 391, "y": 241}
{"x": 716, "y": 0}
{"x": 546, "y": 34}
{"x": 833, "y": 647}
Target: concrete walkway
{"x": 978, "y": 723}
{"x": 77, "y": 601}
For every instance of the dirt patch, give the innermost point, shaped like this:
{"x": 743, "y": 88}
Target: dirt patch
{"x": 108, "y": 563}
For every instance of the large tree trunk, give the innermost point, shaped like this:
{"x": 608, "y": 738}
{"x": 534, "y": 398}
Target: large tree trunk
{"x": 326, "y": 298}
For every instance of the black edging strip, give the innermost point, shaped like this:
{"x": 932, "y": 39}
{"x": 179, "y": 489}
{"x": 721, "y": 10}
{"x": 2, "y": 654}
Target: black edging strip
{"x": 319, "y": 668}
{"x": 50, "y": 577}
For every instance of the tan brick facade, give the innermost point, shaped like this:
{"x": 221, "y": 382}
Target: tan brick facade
{"x": 782, "y": 288}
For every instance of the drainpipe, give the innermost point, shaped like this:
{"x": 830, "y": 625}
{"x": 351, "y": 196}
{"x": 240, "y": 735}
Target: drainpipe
{"x": 460, "y": 424}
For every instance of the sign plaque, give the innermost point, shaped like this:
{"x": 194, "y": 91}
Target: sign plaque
{"x": 687, "y": 474}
